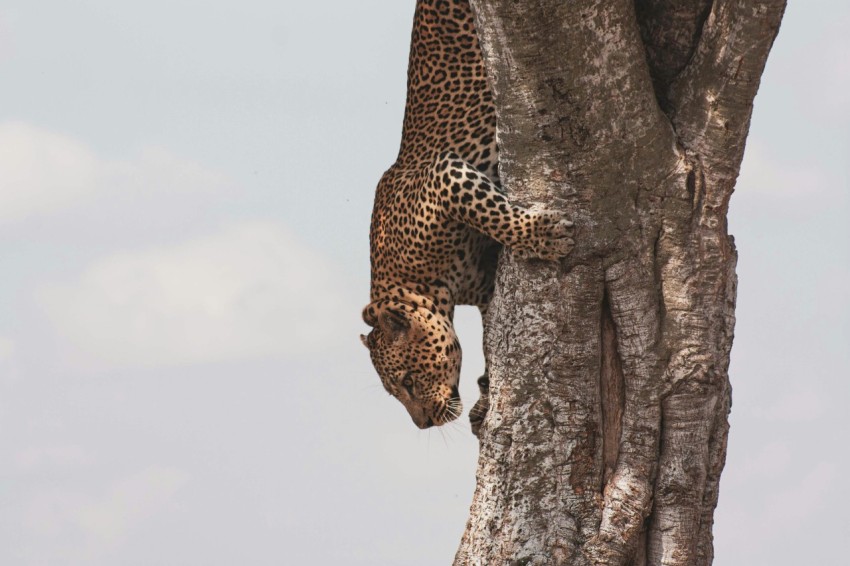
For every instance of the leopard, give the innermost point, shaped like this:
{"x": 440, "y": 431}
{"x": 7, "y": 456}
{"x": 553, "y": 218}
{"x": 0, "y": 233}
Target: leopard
{"x": 440, "y": 220}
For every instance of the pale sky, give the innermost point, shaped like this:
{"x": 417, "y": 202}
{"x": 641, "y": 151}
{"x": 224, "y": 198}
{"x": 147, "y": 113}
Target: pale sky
{"x": 185, "y": 190}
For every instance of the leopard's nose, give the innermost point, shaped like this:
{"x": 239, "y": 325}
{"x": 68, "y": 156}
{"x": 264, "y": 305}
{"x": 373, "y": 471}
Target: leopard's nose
{"x": 455, "y": 392}
{"x": 427, "y": 423}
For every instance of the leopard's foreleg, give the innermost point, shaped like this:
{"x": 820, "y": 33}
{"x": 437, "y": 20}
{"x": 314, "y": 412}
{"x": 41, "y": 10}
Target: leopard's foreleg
{"x": 468, "y": 196}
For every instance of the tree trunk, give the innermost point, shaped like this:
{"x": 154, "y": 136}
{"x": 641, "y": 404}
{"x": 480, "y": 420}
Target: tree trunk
{"x": 609, "y": 390}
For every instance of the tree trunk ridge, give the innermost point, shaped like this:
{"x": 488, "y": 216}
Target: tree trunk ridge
{"x": 609, "y": 389}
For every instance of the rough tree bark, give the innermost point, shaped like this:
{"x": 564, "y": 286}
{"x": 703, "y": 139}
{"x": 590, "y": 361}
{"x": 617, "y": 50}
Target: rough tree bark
{"x": 607, "y": 428}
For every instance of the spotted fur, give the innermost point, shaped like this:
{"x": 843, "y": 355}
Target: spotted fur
{"x": 439, "y": 220}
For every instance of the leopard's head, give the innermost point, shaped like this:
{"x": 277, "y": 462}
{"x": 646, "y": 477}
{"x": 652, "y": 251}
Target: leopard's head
{"x": 417, "y": 356}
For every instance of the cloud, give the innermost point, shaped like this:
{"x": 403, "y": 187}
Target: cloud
{"x": 795, "y": 506}
{"x": 45, "y": 171}
{"x": 767, "y": 463}
{"x": 764, "y": 174}
{"x": 42, "y": 170}
{"x": 782, "y": 509}
{"x": 128, "y": 501}
{"x": 250, "y": 290}
{"x": 825, "y": 79}
{"x": 93, "y": 524}
{"x": 6, "y": 43}
{"x": 7, "y": 349}
{"x": 50, "y": 458}
{"x": 802, "y": 404}
{"x": 9, "y": 370}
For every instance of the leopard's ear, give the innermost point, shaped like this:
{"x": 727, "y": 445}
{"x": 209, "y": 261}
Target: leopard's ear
{"x": 395, "y": 320}
{"x": 392, "y": 320}
{"x": 370, "y": 315}
{"x": 365, "y": 340}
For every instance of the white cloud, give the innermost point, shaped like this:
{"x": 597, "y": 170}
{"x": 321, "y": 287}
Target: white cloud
{"x": 784, "y": 510}
{"x": 128, "y": 501}
{"x": 767, "y": 463}
{"x": 7, "y": 349}
{"x": 9, "y": 371}
{"x": 7, "y": 44}
{"x": 802, "y": 404}
{"x": 827, "y": 76}
{"x": 250, "y": 290}
{"x": 44, "y": 171}
{"x": 795, "y": 506}
{"x": 764, "y": 174}
{"x": 50, "y": 458}
{"x": 93, "y": 524}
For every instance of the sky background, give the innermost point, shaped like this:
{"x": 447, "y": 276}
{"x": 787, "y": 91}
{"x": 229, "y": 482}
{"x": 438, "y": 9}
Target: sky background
{"x": 185, "y": 191}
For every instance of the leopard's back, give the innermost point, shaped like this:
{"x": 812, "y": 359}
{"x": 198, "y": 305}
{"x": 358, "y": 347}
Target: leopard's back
{"x": 449, "y": 108}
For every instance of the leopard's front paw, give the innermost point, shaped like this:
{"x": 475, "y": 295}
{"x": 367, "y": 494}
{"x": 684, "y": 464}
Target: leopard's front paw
{"x": 550, "y": 238}
{"x": 479, "y": 410}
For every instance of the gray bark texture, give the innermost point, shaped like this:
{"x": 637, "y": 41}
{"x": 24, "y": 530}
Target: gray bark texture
{"x": 609, "y": 389}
